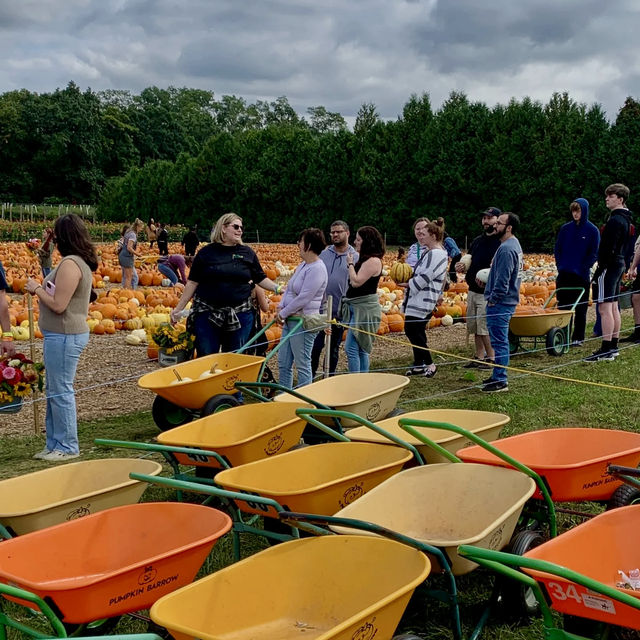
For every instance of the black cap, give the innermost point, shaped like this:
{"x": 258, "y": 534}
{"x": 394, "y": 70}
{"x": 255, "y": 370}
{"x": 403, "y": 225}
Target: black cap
{"x": 492, "y": 211}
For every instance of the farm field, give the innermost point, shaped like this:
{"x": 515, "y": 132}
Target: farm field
{"x": 545, "y": 392}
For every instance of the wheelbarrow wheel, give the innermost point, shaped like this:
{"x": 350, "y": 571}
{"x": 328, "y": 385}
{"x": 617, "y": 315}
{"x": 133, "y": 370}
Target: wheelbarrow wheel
{"x": 396, "y": 412}
{"x": 556, "y": 343}
{"x": 623, "y": 496}
{"x": 514, "y": 342}
{"x": 585, "y": 628}
{"x": 219, "y": 403}
{"x": 167, "y": 415}
{"x": 97, "y": 628}
{"x": 517, "y": 601}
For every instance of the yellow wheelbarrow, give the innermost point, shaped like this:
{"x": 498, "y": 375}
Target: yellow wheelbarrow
{"x": 226, "y": 439}
{"x": 552, "y": 327}
{"x": 435, "y": 508}
{"x": 328, "y": 588}
{"x": 43, "y": 498}
{"x": 205, "y": 385}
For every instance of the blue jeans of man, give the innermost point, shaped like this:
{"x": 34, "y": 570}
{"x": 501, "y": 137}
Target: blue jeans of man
{"x": 168, "y": 272}
{"x": 498, "y": 317}
{"x": 295, "y": 349}
{"x": 357, "y": 357}
{"x": 61, "y": 354}
{"x": 210, "y": 339}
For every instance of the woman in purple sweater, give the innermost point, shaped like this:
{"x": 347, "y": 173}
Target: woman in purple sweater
{"x": 304, "y": 296}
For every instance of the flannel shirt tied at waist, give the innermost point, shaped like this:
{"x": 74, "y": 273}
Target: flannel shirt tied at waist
{"x": 224, "y": 318}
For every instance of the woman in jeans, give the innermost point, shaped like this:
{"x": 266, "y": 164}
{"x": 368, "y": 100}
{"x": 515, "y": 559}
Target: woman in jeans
{"x": 220, "y": 283}
{"x": 360, "y": 304}
{"x": 423, "y": 291}
{"x": 304, "y": 296}
{"x": 64, "y": 305}
{"x": 127, "y": 254}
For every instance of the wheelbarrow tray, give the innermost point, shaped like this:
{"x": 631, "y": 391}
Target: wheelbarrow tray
{"x": 194, "y": 394}
{"x": 539, "y": 324}
{"x": 332, "y": 587}
{"x": 115, "y": 561}
{"x": 44, "y": 498}
{"x": 597, "y": 548}
{"x": 369, "y": 395}
{"x": 483, "y": 423}
{"x": 241, "y": 434}
{"x": 573, "y": 460}
{"x": 320, "y": 479}
{"x": 446, "y": 505}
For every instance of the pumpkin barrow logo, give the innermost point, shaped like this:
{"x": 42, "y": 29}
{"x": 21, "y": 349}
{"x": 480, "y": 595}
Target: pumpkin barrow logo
{"x": 373, "y": 411}
{"x": 496, "y": 538}
{"x": 274, "y": 444}
{"x": 79, "y": 512}
{"x": 229, "y": 382}
{"x": 351, "y": 494}
{"x": 148, "y": 575}
{"x": 366, "y": 632}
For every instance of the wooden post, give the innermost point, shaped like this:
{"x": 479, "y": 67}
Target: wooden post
{"x": 36, "y": 393}
{"x": 327, "y": 339}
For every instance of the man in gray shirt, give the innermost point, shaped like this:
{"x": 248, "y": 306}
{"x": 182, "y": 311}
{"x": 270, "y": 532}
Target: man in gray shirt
{"x": 335, "y": 259}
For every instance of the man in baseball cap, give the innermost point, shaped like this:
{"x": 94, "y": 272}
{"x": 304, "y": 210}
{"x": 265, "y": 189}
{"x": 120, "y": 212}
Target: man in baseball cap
{"x": 482, "y": 250}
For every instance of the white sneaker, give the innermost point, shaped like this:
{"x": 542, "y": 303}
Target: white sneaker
{"x": 41, "y": 454}
{"x": 58, "y": 456}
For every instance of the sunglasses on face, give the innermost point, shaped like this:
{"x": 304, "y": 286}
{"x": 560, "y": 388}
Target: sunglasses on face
{"x": 237, "y": 227}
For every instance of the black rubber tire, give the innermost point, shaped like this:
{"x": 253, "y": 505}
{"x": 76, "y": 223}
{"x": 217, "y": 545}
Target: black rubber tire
{"x": 167, "y": 415}
{"x": 96, "y": 628}
{"x": 407, "y": 636}
{"x": 514, "y": 342}
{"x": 152, "y": 627}
{"x": 517, "y": 601}
{"x": 221, "y": 402}
{"x": 396, "y": 412}
{"x": 555, "y": 342}
{"x": 623, "y": 496}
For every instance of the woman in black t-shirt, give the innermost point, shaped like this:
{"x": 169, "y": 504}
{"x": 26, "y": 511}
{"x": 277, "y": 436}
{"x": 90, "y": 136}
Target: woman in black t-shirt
{"x": 220, "y": 283}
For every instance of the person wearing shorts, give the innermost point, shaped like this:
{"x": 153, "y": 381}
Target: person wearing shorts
{"x": 482, "y": 250}
{"x": 611, "y": 267}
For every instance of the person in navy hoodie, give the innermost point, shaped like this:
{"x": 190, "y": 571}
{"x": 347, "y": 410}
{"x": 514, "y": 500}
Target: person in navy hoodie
{"x": 576, "y": 251}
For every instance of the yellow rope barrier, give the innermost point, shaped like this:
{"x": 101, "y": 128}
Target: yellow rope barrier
{"x": 506, "y": 368}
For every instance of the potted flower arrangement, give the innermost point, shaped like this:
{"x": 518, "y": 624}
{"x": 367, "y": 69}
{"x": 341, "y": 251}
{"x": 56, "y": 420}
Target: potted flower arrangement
{"x": 626, "y": 291}
{"x": 33, "y": 244}
{"x": 19, "y": 378}
{"x": 175, "y": 344}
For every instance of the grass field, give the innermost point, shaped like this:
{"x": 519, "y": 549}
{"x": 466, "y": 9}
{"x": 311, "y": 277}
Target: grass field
{"x": 533, "y": 402}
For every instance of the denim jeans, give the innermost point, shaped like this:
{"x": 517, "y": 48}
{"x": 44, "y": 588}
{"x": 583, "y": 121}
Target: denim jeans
{"x": 46, "y": 271}
{"x": 498, "y": 317}
{"x": 168, "y": 272}
{"x": 295, "y": 349}
{"x": 61, "y": 354}
{"x": 134, "y": 278}
{"x": 210, "y": 339}
{"x": 357, "y": 357}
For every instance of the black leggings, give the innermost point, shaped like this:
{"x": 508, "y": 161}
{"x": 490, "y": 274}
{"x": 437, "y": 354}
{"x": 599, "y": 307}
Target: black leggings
{"x": 416, "y": 330}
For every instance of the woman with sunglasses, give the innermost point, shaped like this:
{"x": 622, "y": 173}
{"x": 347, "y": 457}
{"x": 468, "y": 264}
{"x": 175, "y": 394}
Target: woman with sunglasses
{"x": 64, "y": 304}
{"x": 220, "y": 282}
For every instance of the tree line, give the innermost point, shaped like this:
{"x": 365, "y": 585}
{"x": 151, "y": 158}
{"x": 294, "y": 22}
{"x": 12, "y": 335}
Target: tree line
{"x": 184, "y": 156}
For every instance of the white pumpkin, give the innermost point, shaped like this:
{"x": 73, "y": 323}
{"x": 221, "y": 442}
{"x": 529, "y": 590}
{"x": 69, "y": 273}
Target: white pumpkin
{"x": 483, "y": 275}
{"x": 446, "y": 320}
{"x": 166, "y": 282}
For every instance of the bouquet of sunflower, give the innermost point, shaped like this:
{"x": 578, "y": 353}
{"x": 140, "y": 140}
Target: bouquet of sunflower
{"x": 19, "y": 377}
{"x": 173, "y": 338}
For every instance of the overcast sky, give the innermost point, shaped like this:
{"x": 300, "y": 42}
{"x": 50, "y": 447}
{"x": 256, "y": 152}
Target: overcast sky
{"x": 335, "y": 53}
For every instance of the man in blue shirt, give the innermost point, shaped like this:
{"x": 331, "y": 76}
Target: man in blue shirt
{"x": 502, "y": 294}
{"x": 334, "y": 257}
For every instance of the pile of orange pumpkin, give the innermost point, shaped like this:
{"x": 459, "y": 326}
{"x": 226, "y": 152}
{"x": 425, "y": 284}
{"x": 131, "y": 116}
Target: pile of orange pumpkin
{"x": 119, "y": 309}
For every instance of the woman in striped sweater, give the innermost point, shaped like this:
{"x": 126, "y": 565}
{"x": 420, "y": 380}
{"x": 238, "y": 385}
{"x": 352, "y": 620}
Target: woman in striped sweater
{"x": 423, "y": 291}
